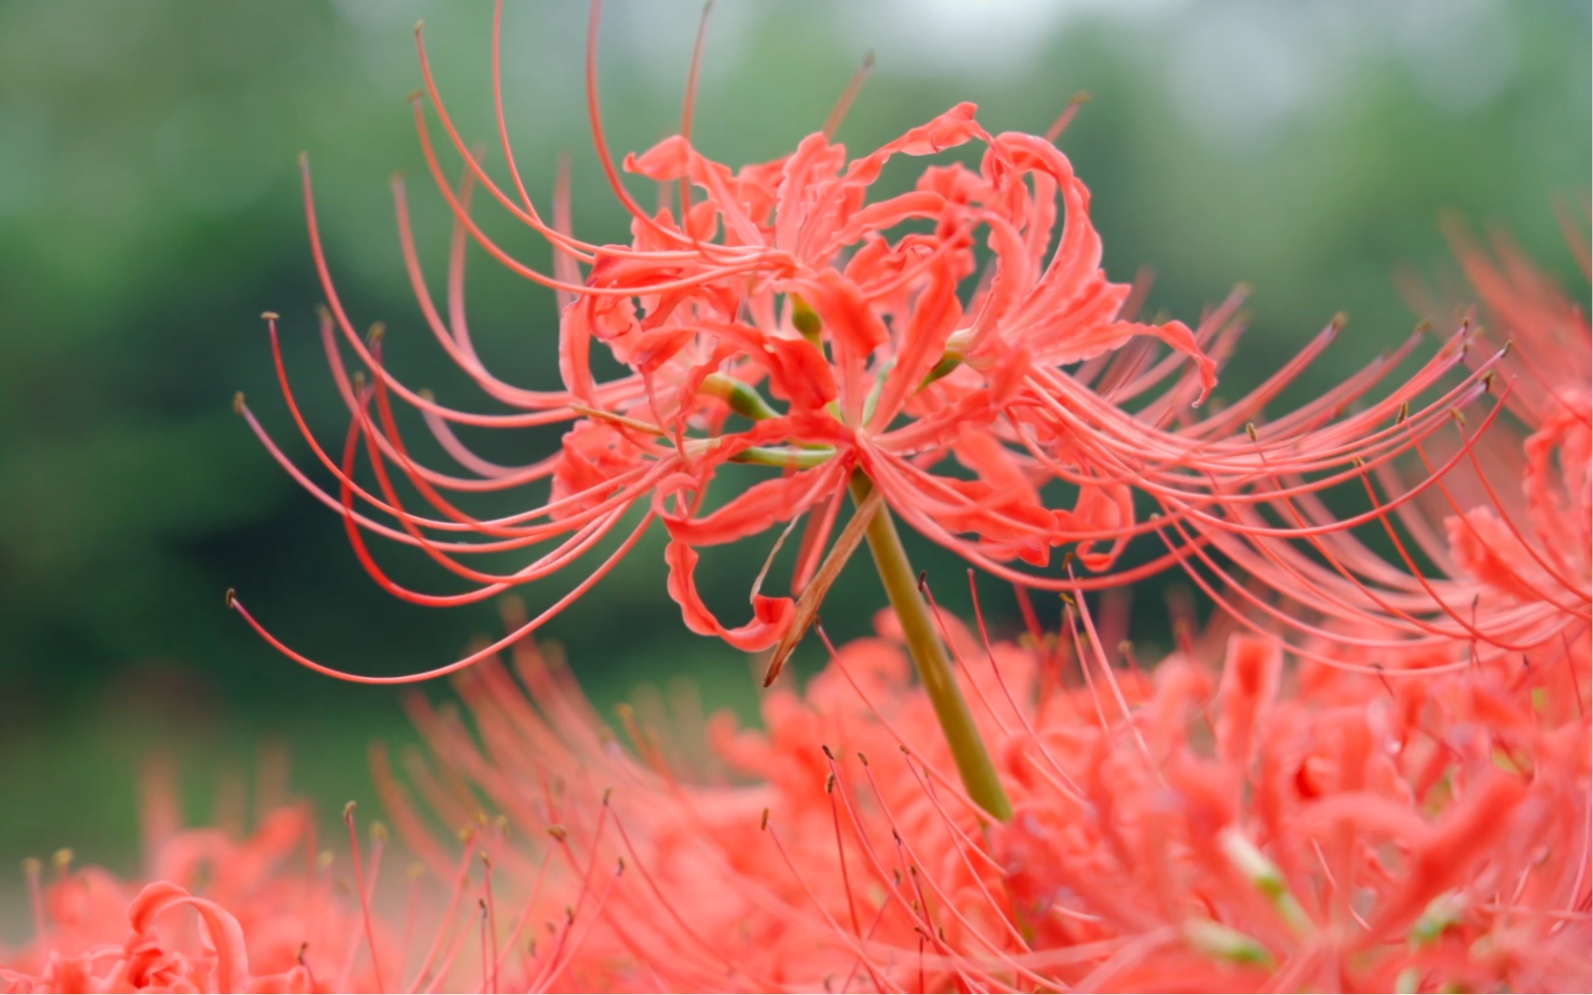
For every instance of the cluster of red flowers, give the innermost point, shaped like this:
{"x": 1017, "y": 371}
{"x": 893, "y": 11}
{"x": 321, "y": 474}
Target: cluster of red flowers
{"x": 1370, "y": 771}
{"x": 269, "y": 912}
{"x": 1215, "y": 822}
{"x": 960, "y": 391}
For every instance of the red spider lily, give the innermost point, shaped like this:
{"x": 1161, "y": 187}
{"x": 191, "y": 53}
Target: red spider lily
{"x": 272, "y": 913}
{"x": 1225, "y": 823}
{"x": 898, "y": 362}
{"x": 1241, "y": 833}
{"x": 1222, "y": 822}
{"x": 1493, "y": 554}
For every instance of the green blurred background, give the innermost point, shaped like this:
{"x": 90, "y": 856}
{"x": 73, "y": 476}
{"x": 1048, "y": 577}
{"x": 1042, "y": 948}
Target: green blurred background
{"x": 150, "y": 211}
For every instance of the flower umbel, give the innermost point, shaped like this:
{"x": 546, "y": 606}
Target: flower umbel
{"x": 216, "y": 910}
{"x": 782, "y": 278}
{"x": 956, "y": 351}
{"x": 1224, "y": 821}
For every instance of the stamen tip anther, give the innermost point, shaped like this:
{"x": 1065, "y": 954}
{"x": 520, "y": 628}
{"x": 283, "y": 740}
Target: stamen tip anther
{"x": 232, "y": 597}
{"x": 348, "y": 811}
{"x": 270, "y": 316}
{"x": 237, "y": 402}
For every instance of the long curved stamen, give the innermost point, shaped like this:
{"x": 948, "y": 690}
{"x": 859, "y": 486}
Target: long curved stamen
{"x": 843, "y": 104}
{"x": 471, "y": 658}
{"x": 688, "y": 106}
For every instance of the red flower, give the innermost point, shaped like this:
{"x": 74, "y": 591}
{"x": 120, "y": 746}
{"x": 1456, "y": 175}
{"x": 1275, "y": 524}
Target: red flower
{"x": 1490, "y": 553}
{"x": 215, "y": 912}
{"x": 1228, "y": 820}
{"x": 1222, "y": 821}
{"x": 890, "y": 352}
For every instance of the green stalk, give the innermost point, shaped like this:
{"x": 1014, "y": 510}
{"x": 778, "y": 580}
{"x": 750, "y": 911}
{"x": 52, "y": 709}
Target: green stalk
{"x": 929, "y": 654}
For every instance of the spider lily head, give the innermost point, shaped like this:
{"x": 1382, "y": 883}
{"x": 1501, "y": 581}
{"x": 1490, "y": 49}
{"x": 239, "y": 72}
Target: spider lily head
{"x": 957, "y": 347}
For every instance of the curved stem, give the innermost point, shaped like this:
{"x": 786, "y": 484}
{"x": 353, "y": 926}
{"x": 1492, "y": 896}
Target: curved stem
{"x": 929, "y": 654}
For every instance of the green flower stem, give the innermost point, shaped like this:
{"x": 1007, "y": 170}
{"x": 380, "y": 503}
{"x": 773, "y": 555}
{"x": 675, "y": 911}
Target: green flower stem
{"x": 929, "y": 654}
{"x": 923, "y": 641}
